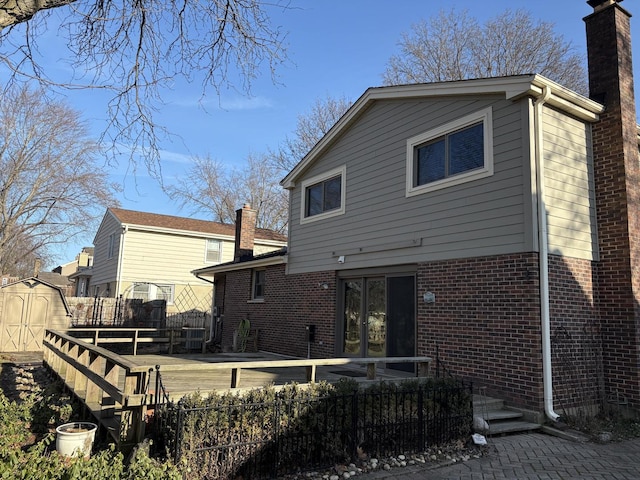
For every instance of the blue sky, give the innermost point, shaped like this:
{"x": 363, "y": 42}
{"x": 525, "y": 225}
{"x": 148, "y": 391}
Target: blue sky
{"x": 336, "y": 47}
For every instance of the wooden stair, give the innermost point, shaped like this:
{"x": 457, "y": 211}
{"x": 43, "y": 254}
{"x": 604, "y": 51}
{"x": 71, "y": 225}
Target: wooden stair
{"x": 501, "y": 419}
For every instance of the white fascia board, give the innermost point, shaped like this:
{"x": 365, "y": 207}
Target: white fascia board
{"x": 174, "y": 231}
{"x": 265, "y": 262}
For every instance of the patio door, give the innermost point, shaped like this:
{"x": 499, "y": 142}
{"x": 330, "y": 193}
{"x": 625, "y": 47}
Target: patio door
{"x": 379, "y": 316}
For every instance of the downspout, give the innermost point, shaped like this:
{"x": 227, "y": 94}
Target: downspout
{"x": 543, "y": 247}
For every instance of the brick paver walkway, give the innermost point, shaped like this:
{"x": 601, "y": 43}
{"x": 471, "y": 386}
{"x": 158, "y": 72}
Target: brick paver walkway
{"x": 535, "y": 456}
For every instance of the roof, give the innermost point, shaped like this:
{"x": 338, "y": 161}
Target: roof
{"x": 156, "y": 220}
{"x": 512, "y": 87}
{"x": 270, "y": 258}
{"x": 53, "y": 278}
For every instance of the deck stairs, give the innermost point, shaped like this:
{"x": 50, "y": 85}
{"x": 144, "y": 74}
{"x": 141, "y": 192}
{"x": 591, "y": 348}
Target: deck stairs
{"x": 501, "y": 418}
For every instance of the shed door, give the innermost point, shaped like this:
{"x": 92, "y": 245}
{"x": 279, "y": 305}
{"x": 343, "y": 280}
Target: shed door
{"x": 25, "y": 319}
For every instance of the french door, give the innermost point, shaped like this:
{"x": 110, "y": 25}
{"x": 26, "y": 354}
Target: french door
{"x": 379, "y": 316}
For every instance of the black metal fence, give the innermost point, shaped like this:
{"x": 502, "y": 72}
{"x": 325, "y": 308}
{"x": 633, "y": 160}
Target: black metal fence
{"x": 283, "y": 433}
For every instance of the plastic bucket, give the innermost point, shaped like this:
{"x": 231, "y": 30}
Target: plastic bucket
{"x": 75, "y": 439}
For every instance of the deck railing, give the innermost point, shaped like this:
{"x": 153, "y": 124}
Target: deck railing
{"x": 117, "y": 391}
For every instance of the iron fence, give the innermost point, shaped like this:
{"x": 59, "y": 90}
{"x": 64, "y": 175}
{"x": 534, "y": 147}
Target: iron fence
{"x": 252, "y": 439}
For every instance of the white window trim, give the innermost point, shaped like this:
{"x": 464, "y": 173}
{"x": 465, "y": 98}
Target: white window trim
{"x": 206, "y": 250}
{"x": 486, "y": 117}
{"x": 112, "y": 246}
{"x": 340, "y": 171}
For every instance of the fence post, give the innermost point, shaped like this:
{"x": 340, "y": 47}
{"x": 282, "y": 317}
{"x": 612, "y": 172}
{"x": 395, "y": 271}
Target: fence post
{"x": 421, "y": 421}
{"x": 179, "y": 432}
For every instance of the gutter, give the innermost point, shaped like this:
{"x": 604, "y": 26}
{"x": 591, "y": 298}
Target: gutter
{"x": 543, "y": 262}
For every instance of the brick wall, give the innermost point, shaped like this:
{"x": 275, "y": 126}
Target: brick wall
{"x": 485, "y": 323}
{"x": 576, "y": 347}
{"x": 291, "y": 302}
{"x": 617, "y": 181}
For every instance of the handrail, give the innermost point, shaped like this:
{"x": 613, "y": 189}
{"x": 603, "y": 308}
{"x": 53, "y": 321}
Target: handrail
{"x": 132, "y": 335}
{"x": 106, "y": 382}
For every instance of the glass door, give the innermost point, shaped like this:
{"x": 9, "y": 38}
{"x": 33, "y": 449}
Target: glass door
{"x": 352, "y": 333}
{"x": 365, "y": 325}
{"x": 376, "y": 326}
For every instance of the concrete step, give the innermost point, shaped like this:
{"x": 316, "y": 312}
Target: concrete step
{"x": 501, "y": 419}
{"x": 512, "y": 426}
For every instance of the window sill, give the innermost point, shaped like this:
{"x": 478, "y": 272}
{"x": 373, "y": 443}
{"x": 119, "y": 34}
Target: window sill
{"x": 256, "y": 300}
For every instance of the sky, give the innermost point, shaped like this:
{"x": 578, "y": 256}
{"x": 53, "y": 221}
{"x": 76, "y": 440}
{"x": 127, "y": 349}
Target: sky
{"x": 336, "y": 48}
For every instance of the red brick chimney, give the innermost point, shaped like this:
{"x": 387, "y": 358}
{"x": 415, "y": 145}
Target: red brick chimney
{"x": 245, "y": 232}
{"x": 617, "y": 184}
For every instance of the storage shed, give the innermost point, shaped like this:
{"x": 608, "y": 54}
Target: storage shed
{"x": 27, "y": 308}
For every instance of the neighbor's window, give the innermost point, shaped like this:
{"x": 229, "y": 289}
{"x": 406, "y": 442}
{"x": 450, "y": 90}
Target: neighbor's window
{"x": 454, "y": 153}
{"x": 257, "y": 292}
{"x": 112, "y": 245}
{"x": 150, "y": 291}
{"x": 213, "y": 252}
{"x": 323, "y": 195}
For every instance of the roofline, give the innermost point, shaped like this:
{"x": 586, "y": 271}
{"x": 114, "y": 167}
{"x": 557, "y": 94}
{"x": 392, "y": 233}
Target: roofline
{"x": 235, "y": 266}
{"x": 56, "y": 287}
{"x": 512, "y": 87}
{"x": 192, "y": 233}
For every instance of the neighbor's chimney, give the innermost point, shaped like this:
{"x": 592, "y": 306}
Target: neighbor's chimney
{"x": 617, "y": 194}
{"x": 37, "y": 265}
{"x": 245, "y": 232}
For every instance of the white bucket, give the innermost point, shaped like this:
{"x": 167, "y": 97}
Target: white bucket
{"x": 75, "y": 439}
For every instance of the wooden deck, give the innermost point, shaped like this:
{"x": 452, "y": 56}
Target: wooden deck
{"x": 121, "y": 390}
{"x": 187, "y": 373}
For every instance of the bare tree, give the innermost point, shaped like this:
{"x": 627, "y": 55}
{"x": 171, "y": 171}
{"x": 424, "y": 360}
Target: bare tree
{"x": 52, "y": 188}
{"x": 454, "y": 46}
{"x": 310, "y": 128}
{"x": 210, "y": 188}
{"x": 134, "y": 49}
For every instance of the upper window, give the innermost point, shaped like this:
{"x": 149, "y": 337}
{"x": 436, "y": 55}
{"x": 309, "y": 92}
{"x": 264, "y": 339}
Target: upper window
{"x": 257, "y": 291}
{"x": 323, "y": 195}
{"x": 112, "y": 245}
{"x": 213, "y": 251}
{"x": 457, "y": 152}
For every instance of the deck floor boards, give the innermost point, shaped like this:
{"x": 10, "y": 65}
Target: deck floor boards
{"x": 177, "y": 384}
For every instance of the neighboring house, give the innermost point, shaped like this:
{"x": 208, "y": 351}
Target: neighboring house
{"x": 57, "y": 280}
{"x": 78, "y": 272}
{"x": 492, "y": 224}
{"x": 150, "y": 256}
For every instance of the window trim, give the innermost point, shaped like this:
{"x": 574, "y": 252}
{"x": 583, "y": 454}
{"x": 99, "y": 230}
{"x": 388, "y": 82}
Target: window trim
{"x": 111, "y": 249}
{"x": 486, "y": 117}
{"x": 342, "y": 173}
{"x": 254, "y": 274}
{"x": 152, "y": 291}
{"x": 206, "y": 250}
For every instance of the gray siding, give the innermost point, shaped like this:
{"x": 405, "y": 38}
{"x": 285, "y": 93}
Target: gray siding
{"x": 569, "y": 186}
{"x": 482, "y": 217}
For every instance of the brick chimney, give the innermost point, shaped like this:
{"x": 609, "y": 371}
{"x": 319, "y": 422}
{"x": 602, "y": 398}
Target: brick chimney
{"x": 245, "y": 233}
{"x": 617, "y": 184}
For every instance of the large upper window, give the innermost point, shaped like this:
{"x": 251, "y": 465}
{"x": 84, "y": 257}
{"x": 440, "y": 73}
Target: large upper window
{"x": 457, "y": 152}
{"x": 323, "y": 195}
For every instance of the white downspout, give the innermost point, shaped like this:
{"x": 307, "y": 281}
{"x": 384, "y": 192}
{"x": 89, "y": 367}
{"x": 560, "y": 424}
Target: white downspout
{"x": 543, "y": 246}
